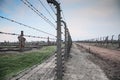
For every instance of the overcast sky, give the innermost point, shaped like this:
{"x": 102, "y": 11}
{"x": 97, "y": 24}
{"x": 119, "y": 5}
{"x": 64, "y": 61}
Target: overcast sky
{"x": 85, "y": 19}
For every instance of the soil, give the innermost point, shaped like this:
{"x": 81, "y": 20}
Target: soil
{"x": 80, "y": 67}
{"x": 108, "y": 60}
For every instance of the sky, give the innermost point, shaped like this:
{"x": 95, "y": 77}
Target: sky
{"x": 86, "y": 19}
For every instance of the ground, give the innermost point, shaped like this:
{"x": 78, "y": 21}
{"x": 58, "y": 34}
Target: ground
{"x": 79, "y": 67}
{"x": 44, "y": 71}
{"x": 107, "y": 59}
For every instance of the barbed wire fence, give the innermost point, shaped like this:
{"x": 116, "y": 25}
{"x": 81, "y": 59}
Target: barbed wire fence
{"x": 26, "y": 35}
{"x": 112, "y": 41}
{"x": 22, "y": 45}
{"x": 61, "y": 56}
{"x": 29, "y": 5}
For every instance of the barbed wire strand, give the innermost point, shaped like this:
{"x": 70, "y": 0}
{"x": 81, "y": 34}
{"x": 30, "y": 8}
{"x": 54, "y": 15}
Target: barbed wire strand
{"x": 26, "y": 25}
{"x": 29, "y": 5}
{"x": 38, "y": 13}
{"x": 52, "y": 9}
{"x": 63, "y": 16}
{"x": 47, "y": 10}
{"x": 60, "y": 1}
{"x": 26, "y": 35}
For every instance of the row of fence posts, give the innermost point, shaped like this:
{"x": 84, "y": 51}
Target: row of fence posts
{"x": 105, "y": 41}
{"x": 68, "y": 42}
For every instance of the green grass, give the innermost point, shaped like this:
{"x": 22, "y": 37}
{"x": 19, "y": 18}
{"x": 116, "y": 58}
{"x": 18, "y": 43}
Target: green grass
{"x": 14, "y": 63}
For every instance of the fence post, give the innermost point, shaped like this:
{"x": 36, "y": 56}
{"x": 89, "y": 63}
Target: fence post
{"x": 112, "y": 39}
{"x": 103, "y": 41}
{"x": 68, "y": 43}
{"x": 106, "y": 41}
{"x": 119, "y": 40}
{"x": 48, "y": 41}
{"x": 59, "y": 67}
{"x": 100, "y": 41}
{"x": 65, "y": 27}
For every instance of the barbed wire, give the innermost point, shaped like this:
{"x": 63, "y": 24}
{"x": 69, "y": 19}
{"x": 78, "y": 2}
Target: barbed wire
{"x": 60, "y": 1}
{"x": 47, "y": 10}
{"x": 52, "y": 9}
{"x": 63, "y": 15}
{"x": 26, "y": 35}
{"x": 26, "y": 25}
{"x": 29, "y": 5}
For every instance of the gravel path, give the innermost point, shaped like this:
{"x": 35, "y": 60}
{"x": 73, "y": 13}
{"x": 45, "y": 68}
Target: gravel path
{"x": 79, "y": 67}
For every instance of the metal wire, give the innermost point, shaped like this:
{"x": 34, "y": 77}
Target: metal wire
{"x": 28, "y": 4}
{"x": 63, "y": 16}
{"x": 46, "y": 10}
{"x": 52, "y": 9}
{"x": 26, "y": 35}
{"x": 26, "y": 25}
{"x": 60, "y": 1}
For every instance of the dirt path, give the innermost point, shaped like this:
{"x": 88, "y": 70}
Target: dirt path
{"x": 79, "y": 67}
{"x": 107, "y": 59}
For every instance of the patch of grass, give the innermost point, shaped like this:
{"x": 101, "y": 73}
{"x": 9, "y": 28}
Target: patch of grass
{"x": 13, "y": 63}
